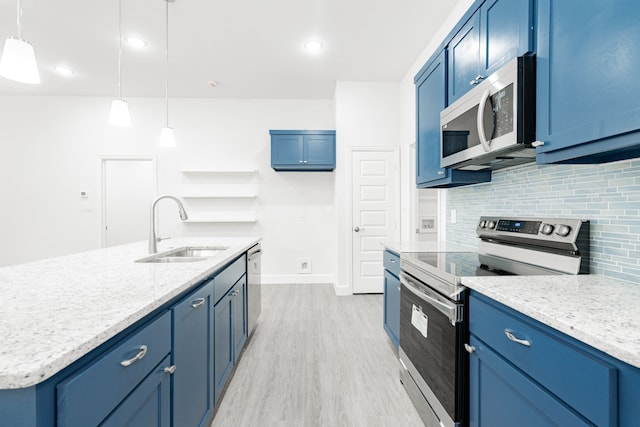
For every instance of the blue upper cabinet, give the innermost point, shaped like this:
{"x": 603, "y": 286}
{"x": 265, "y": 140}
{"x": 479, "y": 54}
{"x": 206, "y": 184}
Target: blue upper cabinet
{"x": 497, "y": 32}
{"x": 587, "y": 88}
{"x": 430, "y": 101}
{"x": 303, "y": 150}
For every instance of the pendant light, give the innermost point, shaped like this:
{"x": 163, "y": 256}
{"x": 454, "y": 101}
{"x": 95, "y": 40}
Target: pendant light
{"x": 18, "y": 61}
{"x": 119, "y": 115}
{"x": 167, "y": 138}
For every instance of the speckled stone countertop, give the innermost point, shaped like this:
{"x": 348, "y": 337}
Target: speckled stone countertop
{"x": 52, "y": 312}
{"x": 437, "y": 246}
{"x": 597, "y": 310}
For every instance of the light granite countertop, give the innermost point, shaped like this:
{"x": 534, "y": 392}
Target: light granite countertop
{"x": 54, "y": 311}
{"x": 434, "y": 246}
{"x": 597, "y": 310}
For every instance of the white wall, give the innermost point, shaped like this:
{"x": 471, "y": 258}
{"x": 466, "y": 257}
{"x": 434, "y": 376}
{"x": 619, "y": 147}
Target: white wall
{"x": 50, "y": 148}
{"x": 366, "y": 116}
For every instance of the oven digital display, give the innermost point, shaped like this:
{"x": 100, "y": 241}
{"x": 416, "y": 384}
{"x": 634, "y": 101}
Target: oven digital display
{"x": 526, "y": 227}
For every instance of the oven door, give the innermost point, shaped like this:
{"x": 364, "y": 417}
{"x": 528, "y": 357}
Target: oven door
{"x": 431, "y": 350}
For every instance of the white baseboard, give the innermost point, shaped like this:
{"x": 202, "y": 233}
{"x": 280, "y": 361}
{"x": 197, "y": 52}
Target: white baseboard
{"x": 295, "y": 279}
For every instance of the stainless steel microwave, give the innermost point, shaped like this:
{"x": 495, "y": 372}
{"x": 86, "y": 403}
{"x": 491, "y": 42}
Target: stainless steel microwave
{"x": 493, "y": 125}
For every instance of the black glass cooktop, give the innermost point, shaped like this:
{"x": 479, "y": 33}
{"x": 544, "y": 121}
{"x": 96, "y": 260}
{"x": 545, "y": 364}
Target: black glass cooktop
{"x": 470, "y": 264}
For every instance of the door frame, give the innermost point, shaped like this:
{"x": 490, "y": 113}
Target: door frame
{"x": 396, "y": 158}
{"x": 102, "y": 208}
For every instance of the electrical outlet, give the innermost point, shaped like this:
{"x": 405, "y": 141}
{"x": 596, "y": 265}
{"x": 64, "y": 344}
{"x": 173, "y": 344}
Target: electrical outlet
{"x": 304, "y": 266}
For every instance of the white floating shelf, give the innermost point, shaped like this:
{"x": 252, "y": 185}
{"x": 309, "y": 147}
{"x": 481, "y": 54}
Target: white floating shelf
{"x": 218, "y": 171}
{"x": 223, "y": 219}
{"x": 219, "y": 196}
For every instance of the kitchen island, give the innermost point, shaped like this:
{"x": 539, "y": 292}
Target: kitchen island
{"x": 58, "y": 314}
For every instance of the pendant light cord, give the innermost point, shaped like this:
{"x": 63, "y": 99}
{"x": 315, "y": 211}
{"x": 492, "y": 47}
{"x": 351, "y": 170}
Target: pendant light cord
{"x": 19, "y": 14}
{"x": 120, "y": 49}
{"x": 166, "y": 93}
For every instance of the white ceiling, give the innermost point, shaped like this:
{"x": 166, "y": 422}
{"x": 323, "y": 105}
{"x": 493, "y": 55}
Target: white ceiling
{"x": 252, "y": 48}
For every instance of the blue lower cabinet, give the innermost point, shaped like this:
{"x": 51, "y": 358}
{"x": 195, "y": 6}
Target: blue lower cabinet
{"x": 230, "y": 333}
{"x": 392, "y": 307}
{"x": 193, "y": 356}
{"x": 501, "y": 396}
{"x": 148, "y": 405}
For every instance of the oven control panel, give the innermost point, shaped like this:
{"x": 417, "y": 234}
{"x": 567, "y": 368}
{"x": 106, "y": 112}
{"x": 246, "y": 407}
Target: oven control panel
{"x": 552, "y": 232}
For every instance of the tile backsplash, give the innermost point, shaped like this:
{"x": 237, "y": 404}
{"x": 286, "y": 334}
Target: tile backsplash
{"x": 608, "y": 195}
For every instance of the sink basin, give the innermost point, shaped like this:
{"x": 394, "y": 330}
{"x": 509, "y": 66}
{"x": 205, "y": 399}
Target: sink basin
{"x": 184, "y": 254}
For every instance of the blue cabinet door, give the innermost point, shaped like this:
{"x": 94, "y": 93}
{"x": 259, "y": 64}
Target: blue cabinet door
{"x": 193, "y": 356}
{"x": 148, "y": 405}
{"x": 239, "y": 313}
{"x": 287, "y": 150}
{"x": 506, "y": 32}
{"x": 392, "y": 307}
{"x": 320, "y": 150}
{"x": 223, "y": 343}
{"x": 463, "y": 57}
{"x": 587, "y": 86}
{"x": 430, "y": 101}
{"x": 500, "y": 395}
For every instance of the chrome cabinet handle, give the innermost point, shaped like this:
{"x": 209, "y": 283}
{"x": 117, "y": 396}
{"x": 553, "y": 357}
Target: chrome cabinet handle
{"x": 140, "y": 355}
{"x": 440, "y": 172}
{"x": 169, "y": 369}
{"x": 198, "y": 302}
{"x": 470, "y": 349}
{"x": 391, "y": 260}
{"x": 513, "y": 338}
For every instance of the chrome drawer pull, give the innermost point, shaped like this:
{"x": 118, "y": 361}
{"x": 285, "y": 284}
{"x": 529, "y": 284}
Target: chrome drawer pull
{"x": 140, "y": 355}
{"x": 513, "y": 338}
{"x": 170, "y": 369}
{"x": 198, "y": 302}
{"x": 470, "y": 349}
{"x": 391, "y": 260}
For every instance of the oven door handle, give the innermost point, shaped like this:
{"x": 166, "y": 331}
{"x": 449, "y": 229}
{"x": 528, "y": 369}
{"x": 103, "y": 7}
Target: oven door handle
{"x": 448, "y": 309}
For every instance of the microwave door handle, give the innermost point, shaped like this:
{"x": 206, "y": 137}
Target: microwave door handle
{"x": 480, "y": 121}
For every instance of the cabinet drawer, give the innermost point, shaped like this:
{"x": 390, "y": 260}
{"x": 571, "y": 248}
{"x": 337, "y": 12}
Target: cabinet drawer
{"x": 391, "y": 262}
{"x": 90, "y": 395}
{"x": 228, "y": 277}
{"x": 581, "y": 379}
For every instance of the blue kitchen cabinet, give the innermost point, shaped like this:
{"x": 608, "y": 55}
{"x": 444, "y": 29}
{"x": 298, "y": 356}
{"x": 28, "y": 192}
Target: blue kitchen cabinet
{"x": 497, "y": 32}
{"x": 303, "y": 150}
{"x": 193, "y": 356}
{"x": 148, "y": 405}
{"x": 119, "y": 378}
{"x": 391, "y": 262}
{"x": 547, "y": 378}
{"x": 587, "y": 84}
{"x": 230, "y": 321}
{"x": 430, "y": 101}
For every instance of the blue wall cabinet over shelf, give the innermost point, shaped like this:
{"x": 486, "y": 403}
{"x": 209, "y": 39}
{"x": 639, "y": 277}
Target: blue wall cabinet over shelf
{"x": 497, "y": 32}
{"x": 391, "y": 264}
{"x": 193, "y": 357}
{"x": 587, "y": 87}
{"x": 303, "y": 150}
{"x": 548, "y": 378}
{"x": 430, "y": 101}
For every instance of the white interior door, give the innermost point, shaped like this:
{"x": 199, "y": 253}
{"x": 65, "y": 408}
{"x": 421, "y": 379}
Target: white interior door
{"x": 375, "y": 215}
{"x": 129, "y": 187}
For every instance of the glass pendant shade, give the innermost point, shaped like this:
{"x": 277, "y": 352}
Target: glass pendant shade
{"x": 18, "y": 61}
{"x": 167, "y": 138}
{"x": 119, "y": 115}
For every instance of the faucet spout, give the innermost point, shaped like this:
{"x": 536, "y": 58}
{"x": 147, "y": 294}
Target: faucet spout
{"x": 153, "y": 240}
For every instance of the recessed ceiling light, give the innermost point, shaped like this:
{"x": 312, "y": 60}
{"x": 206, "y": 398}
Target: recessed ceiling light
{"x": 64, "y": 70}
{"x": 313, "y": 46}
{"x": 136, "y": 42}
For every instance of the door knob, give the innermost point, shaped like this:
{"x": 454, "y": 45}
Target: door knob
{"x": 357, "y": 229}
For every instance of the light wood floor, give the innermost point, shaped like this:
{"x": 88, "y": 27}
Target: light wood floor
{"x": 316, "y": 359}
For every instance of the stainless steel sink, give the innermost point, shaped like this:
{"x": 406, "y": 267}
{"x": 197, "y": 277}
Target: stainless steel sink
{"x": 184, "y": 254}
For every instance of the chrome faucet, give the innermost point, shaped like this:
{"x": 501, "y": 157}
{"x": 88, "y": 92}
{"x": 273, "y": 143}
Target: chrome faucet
{"x": 152, "y": 232}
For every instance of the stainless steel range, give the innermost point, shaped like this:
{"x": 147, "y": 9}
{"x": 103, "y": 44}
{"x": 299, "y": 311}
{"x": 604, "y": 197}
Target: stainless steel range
{"x": 433, "y": 311}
